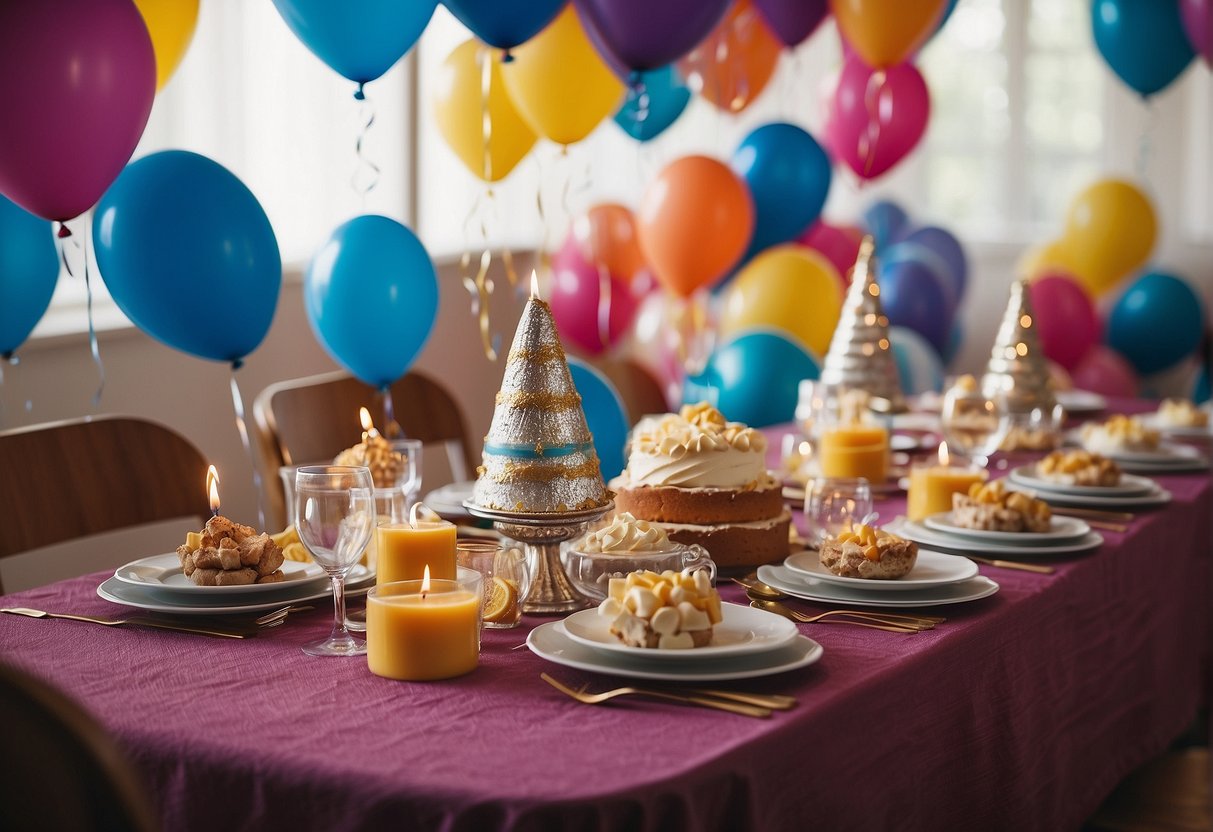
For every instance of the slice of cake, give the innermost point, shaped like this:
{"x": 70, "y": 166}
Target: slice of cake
{"x": 705, "y": 480}
{"x": 1119, "y": 434}
{"x": 866, "y": 552}
{"x": 991, "y": 507}
{"x": 668, "y": 611}
{"x": 1078, "y": 468}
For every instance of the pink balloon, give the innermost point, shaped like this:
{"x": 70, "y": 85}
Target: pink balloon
{"x": 1198, "y": 23}
{"x": 575, "y": 296}
{"x": 1066, "y": 319}
{"x": 839, "y": 244}
{"x": 1104, "y": 371}
{"x": 77, "y": 78}
{"x": 875, "y": 121}
{"x": 652, "y": 346}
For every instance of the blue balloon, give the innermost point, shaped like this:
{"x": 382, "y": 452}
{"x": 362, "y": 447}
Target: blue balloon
{"x": 1143, "y": 41}
{"x": 371, "y": 295}
{"x": 360, "y": 39}
{"x": 504, "y": 23}
{"x": 914, "y": 296}
{"x": 918, "y": 364}
{"x": 910, "y": 251}
{"x": 945, "y": 245}
{"x": 946, "y": 14}
{"x": 189, "y": 255}
{"x": 667, "y": 96}
{"x": 789, "y": 177}
{"x": 29, "y": 269}
{"x": 604, "y": 414}
{"x": 1156, "y": 323}
{"x": 886, "y": 221}
{"x": 754, "y": 378}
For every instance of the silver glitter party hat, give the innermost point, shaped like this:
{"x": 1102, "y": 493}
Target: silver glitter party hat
{"x": 860, "y": 355}
{"x": 1017, "y": 367}
{"x": 539, "y": 456}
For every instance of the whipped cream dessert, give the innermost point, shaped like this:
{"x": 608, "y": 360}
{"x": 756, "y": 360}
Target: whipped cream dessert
{"x": 667, "y": 611}
{"x": 697, "y": 448}
{"x": 1181, "y": 413}
{"x": 626, "y": 535}
{"x": 1120, "y": 433}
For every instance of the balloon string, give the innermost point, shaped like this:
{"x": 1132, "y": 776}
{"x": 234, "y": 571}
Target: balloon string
{"x": 689, "y": 331}
{"x": 872, "y": 101}
{"x": 65, "y": 237}
{"x": 242, "y": 428}
{"x": 486, "y": 117}
{"x": 480, "y": 285}
{"x": 638, "y": 94}
{"x": 1144, "y": 142}
{"x": 604, "y": 305}
{"x": 366, "y": 173}
{"x": 391, "y": 428}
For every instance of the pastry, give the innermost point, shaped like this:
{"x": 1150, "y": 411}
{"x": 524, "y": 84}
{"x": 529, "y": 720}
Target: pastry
{"x": 865, "y": 552}
{"x": 1119, "y": 434}
{"x": 230, "y": 554}
{"x": 1078, "y": 468}
{"x": 1181, "y": 413}
{"x": 991, "y": 507}
{"x": 667, "y": 611}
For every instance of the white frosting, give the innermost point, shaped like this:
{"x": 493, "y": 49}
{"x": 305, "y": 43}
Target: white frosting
{"x": 696, "y": 449}
{"x": 626, "y": 534}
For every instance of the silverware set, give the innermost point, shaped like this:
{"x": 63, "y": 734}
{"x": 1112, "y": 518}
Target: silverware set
{"x": 765, "y": 597}
{"x": 203, "y": 625}
{"x": 756, "y": 705}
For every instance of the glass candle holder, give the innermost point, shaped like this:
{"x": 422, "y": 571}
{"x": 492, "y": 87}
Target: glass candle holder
{"x": 932, "y": 486}
{"x": 418, "y": 632}
{"x": 507, "y": 579}
{"x": 404, "y": 550}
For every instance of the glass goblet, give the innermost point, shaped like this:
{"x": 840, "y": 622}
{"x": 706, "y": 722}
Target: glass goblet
{"x": 974, "y": 425}
{"x": 409, "y": 480}
{"x": 335, "y": 516}
{"x": 834, "y": 504}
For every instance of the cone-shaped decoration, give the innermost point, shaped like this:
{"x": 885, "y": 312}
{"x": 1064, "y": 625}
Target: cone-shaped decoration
{"x": 860, "y": 355}
{"x": 1017, "y": 366}
{"x": 538, "y": 456}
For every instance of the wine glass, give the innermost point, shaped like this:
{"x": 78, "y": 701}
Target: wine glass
{"x": 974, "y": 424}
{"x": 409, "y": 480}
{"x": 834, "y": 504}
{"x": 335, "y": 516}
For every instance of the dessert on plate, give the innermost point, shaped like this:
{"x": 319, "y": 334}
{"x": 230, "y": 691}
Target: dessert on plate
{"x": 866, "y": 552}
{"x": 668, "y": 611}
{"x": 230, "y": 554}
{"x": 1078, "y": 467}
{"x": 1119, "y": 434}
{"x": 1181, "y": 413}
{"x": 706, "y": 482}
{"x": 991, "y": 507}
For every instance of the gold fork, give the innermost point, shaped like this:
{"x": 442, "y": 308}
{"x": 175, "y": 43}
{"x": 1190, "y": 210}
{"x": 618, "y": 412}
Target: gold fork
{"x": 582, "y": 695}
{"x": 889, "y": 623}
{"x": 138, "y": 621}
{"x": 762, "y": 592}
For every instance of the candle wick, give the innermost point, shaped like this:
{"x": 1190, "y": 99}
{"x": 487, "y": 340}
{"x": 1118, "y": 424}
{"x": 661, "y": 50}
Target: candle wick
{"x": 214, "y": 512}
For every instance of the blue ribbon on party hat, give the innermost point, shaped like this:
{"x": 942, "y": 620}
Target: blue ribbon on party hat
{"x": 537, "y": 451}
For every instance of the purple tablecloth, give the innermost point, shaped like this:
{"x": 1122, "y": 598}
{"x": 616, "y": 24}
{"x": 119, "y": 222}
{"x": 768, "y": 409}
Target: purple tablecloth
{"x": 1022, "y": 711}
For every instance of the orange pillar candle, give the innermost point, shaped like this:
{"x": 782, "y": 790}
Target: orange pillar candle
{"x": 932, "y": 486}
{"x": 855, "y": 450}
{"x": 405, "y": 549}
{"x": 423, "y": 630}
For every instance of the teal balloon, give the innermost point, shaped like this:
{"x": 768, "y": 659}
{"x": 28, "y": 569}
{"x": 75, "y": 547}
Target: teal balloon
{"x": 918, "y": 365}
{"x": 360, "y": 39}
{"x": 29, "y": 269}
{"x": 189, "y": 255}
{"x": 503, "y": 23}
{"x": 1156, "y": 323}
{"x": 887, "y": 222}
{"x": 956, "y": 339}
{"x": 371, "y": 296}
{"x": 604, "y": 415}
{"x": 654, "y": 105}
{"x": 754, "y": 378}
{"x": 1144, "y": 41}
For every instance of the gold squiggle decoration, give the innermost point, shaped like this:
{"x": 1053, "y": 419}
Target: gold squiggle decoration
{"x": 529, "y": 472}
{"x": 543, "y": 400}
{"x": 540, "y": 354}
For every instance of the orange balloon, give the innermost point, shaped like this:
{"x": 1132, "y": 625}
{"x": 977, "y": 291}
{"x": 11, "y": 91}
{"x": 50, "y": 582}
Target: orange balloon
{"x": 887, "y": 32}
{"x": 607, "y": 236}
{"x": 736, "y": 60}
{"x": 695, "y": 221}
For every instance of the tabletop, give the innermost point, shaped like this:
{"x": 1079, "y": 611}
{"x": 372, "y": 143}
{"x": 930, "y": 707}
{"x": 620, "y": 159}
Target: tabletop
{"x": 1022, "y": 710}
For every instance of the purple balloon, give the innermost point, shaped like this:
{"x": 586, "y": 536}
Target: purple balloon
{"x": 914, "y": 296}
{"x": 77, "y": 78}
{"x": 648, "y": 34}
{"x": 948, "y": 248}
{"x": 793, "y": 20}
{"x": 1198, "y": 23}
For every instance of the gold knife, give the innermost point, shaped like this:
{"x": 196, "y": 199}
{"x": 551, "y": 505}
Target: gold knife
{"x": 137, "y": 621}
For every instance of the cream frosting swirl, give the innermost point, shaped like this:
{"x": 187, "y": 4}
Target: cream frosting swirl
{"x": 696, "y": 448}
{"x": 626, "y": 534}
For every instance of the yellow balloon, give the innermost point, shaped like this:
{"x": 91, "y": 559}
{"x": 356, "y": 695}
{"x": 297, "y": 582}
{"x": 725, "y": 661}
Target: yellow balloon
{"x": 790, "y": 287}
{"x": 1044, "y": 258}
{"x": 490, "y": 151}
{"x": 559, "y": 83}
{"x": 171, "y": 24}
{"x": 887, "y": 32}
{"x": 1110, "y": 231}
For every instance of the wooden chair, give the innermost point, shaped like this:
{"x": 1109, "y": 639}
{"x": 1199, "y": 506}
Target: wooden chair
{"x": 640, "y": 392}
{"x": 63, "y": 771}
{"x": 73, "y": 479}
{"x": 313, "y": 419}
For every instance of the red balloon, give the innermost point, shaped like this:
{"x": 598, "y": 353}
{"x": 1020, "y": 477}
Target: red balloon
{"x": 839, "y": 244}
{"x": 577, "y": 302}
{"x": 1104, "y": 371}
{"x": 77, "y": 78}
{"x": 877, "y": 117}
{"x": 1066, "y": 319}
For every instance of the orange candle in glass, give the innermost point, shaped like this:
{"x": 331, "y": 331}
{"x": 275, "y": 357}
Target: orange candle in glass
{"x": 854, "y": 450}
{"x": 932, "y": 486}
{"x": 423, "y": 630}
{"x": 405, "y": 549}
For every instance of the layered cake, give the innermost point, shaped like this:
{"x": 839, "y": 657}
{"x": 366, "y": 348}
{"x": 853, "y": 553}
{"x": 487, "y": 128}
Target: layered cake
{"x": 538, "y": 455}
{"x": 1181, "y": 413}
{"x": 668, "y": 611}
{"x": 1119, "y": 434}
{"x": 705, "y": 481}
{"x": 866, "y": 552}
{"x": 991, "y": 507}
{"x": 1078, "y": 467}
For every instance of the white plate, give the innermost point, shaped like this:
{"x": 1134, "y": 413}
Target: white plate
{"x": 741, "y": 631}
{"x": 153, "y": 600}
{"x": 448, "y": 500}
{"x": 799, "y": 586}
{"x": 1156, "y": 497}
{"x": 923, "y": 536}
{"x": 550, "y": 641}
{"x": 163, "y": 572}
{"x": 1081, "y": 401}
{"x": 1176, "y": 465}
{"x": 1061, "y": 530}
{"x": 930, "y": 570}
{"x": 1178, "y": 431}
{"x": 1130, "y": 486}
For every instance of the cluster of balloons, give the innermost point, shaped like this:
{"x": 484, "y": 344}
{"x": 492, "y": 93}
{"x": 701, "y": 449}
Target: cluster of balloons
{"x": 1149, "y": 43}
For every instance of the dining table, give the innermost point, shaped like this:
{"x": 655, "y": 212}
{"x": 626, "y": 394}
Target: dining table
{"x": 1023, "y": 710}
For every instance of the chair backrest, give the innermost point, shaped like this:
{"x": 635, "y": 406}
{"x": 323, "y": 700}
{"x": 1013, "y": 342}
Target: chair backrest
{"x": 640, "y": 392}
{"x": 73, "y": 479}
{"x": 313, "y": 419}
{"x": 62, "y": 771}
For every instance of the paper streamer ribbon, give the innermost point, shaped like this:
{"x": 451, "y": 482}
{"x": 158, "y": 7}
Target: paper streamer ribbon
{"x": 64, "y": 239}
{"x": 242, "y": 427}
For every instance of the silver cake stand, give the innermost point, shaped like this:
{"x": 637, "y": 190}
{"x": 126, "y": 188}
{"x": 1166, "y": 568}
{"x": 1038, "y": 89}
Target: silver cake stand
{"x": 551, "y": 590}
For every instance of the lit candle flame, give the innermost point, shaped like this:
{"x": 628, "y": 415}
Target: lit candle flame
{"x": 425, "y": 581}
{"x": 944, "y": 456}
{"x": 212, "y": 488}
{"x": 534, "y": 284}
{"x": 368, "y": 425}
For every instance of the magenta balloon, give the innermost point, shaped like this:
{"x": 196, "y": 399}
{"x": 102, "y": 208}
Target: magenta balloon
{"x": 793, "y": 20}
{"x": 1066, "y": 319}
{"x": 839, "y": 244}
{"x": 648, "y": 34}
{"x": 1198, "y": 23}
{"x": 1104, "y": 371}
{"x": 575, "y": 293}
{"x": 77, "y": 78}
{"x": 874, "y": 124}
